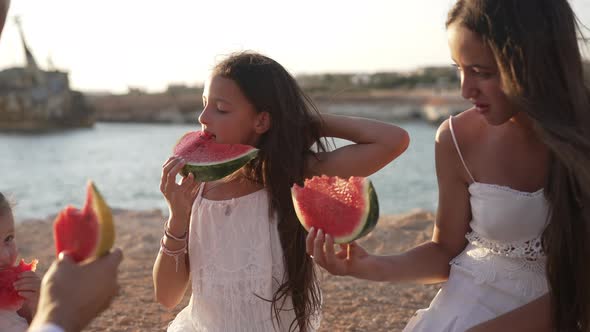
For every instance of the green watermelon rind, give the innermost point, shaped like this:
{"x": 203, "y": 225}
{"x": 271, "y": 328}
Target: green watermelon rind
{"x": 205, "y": 172}
{"x": 369, "y": 219}
{"x": 373, "y": 215}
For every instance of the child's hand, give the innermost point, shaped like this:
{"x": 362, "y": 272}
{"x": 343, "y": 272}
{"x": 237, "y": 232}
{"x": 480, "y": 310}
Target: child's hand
{"x": 351, "y": 259}
{"x": 27, "y": 286}
{"x": 180, "y": 197}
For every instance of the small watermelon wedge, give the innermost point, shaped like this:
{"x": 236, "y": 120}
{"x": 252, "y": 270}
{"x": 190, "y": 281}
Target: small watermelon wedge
{"x": 85, "y": 233}
{"x": 9, "y": 298}
{"x": 208, "y": 160}
{"x": 347, "y": 209}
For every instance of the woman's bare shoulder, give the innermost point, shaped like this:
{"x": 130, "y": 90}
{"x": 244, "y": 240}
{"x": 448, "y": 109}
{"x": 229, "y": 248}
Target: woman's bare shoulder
{"x": 468, "y": 127}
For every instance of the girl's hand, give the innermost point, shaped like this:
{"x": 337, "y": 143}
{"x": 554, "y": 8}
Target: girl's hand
{"x": 351, "y": 259}
{"x": 27, "y": 286}
{"x": 180, "y": 197}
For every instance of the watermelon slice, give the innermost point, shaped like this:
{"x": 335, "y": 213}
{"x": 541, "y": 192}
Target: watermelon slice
{"x": 87, "y": 233}
{"x": 347, "y": 209}
{"x": 209, "y": 161}
{"x": 9, "y": 298}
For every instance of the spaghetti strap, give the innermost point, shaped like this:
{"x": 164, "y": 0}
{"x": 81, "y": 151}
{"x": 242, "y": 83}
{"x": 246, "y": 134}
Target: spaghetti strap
{"x": 199, "y": 197}
{"x": 457, "y": 147}
{"x": 201, "y": 186}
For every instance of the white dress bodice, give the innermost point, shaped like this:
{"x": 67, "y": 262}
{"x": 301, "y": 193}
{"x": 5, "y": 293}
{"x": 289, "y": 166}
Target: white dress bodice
{"x": 505, "y": 215}
{"x": 236, "y": 265}
{"x": 504, "y": 248}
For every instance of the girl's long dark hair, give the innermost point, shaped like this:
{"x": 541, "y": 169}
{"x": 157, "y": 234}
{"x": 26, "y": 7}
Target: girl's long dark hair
{"x": 537, "y": 48}
{"x": 284, "y": 149}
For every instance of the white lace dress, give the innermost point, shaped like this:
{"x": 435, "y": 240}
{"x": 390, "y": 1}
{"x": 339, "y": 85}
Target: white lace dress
{"x": 236, "y": 265}
{"x": 503, "y": 265}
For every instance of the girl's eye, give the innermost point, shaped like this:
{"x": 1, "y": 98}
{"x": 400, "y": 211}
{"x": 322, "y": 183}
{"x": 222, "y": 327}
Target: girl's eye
{"x": 221, "y": 111}
{"x": 9, "y": 239}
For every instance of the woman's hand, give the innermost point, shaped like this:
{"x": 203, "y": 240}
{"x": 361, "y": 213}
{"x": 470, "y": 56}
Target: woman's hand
{"x": 351, "y": 259}
{"x": 180, "y": 197}
{"x": 72, "y": 295}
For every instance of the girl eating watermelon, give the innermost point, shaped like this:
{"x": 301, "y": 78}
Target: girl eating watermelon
{"x": 19, "y": 285}
{"x": 237, "y": 240}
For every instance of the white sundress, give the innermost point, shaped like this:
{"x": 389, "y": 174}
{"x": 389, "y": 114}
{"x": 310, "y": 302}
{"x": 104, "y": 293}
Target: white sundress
{"x": 236, "y": 262}
{"x": 10, "y": 321}
{"x": 502, "y": 266}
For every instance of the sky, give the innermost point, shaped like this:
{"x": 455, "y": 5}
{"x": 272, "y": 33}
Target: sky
{"x": 112, "y": 45}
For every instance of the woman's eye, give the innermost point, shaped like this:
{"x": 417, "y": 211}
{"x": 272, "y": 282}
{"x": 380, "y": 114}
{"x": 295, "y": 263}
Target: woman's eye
{"x": 483, "y": 74}
{"x": 9, "y": 238}
{"x": 458, "y": 71}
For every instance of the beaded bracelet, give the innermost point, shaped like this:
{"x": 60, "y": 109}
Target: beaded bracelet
{"x": 170, "y": 236}
{"x": 173, "y": 253}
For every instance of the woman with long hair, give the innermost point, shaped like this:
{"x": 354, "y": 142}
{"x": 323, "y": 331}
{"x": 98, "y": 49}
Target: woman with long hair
{"x": 512, "y": 231}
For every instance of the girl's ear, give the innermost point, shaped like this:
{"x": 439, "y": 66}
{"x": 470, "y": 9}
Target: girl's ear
{"x": 262, "y": 122}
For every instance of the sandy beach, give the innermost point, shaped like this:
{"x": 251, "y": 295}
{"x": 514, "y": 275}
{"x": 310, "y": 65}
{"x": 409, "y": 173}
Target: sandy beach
{"x": 349, "y": 304}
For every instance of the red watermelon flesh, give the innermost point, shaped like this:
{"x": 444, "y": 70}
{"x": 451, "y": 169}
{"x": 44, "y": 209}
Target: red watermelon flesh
{"x": 85, "y": 233}
{"x": 76, "y": 232}
{"x": 208, "y": 160}
{"x": 9, "y": 298}
{"x": 347, "y": 209}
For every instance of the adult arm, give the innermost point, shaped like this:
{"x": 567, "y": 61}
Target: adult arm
{"x": 428, "y": 262}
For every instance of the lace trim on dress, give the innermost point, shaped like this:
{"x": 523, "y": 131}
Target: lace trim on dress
{"x": 520, "y": 264}
{"x": 527, "y": 277}
{"x": 529, "y": 250}
{"x": 510, "y": 190}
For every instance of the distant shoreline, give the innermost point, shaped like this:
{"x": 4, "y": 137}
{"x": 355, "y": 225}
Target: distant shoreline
{"x": 430, "y": 105}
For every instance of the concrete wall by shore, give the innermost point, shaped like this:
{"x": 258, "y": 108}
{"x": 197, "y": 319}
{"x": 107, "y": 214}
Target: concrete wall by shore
{"x": 185, "y": 108}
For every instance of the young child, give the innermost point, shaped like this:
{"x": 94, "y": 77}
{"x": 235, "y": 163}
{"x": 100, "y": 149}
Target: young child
{"x": 27, "y": 285}
{"x": 238, "y": 239}
{"x": 513, "y": 217}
